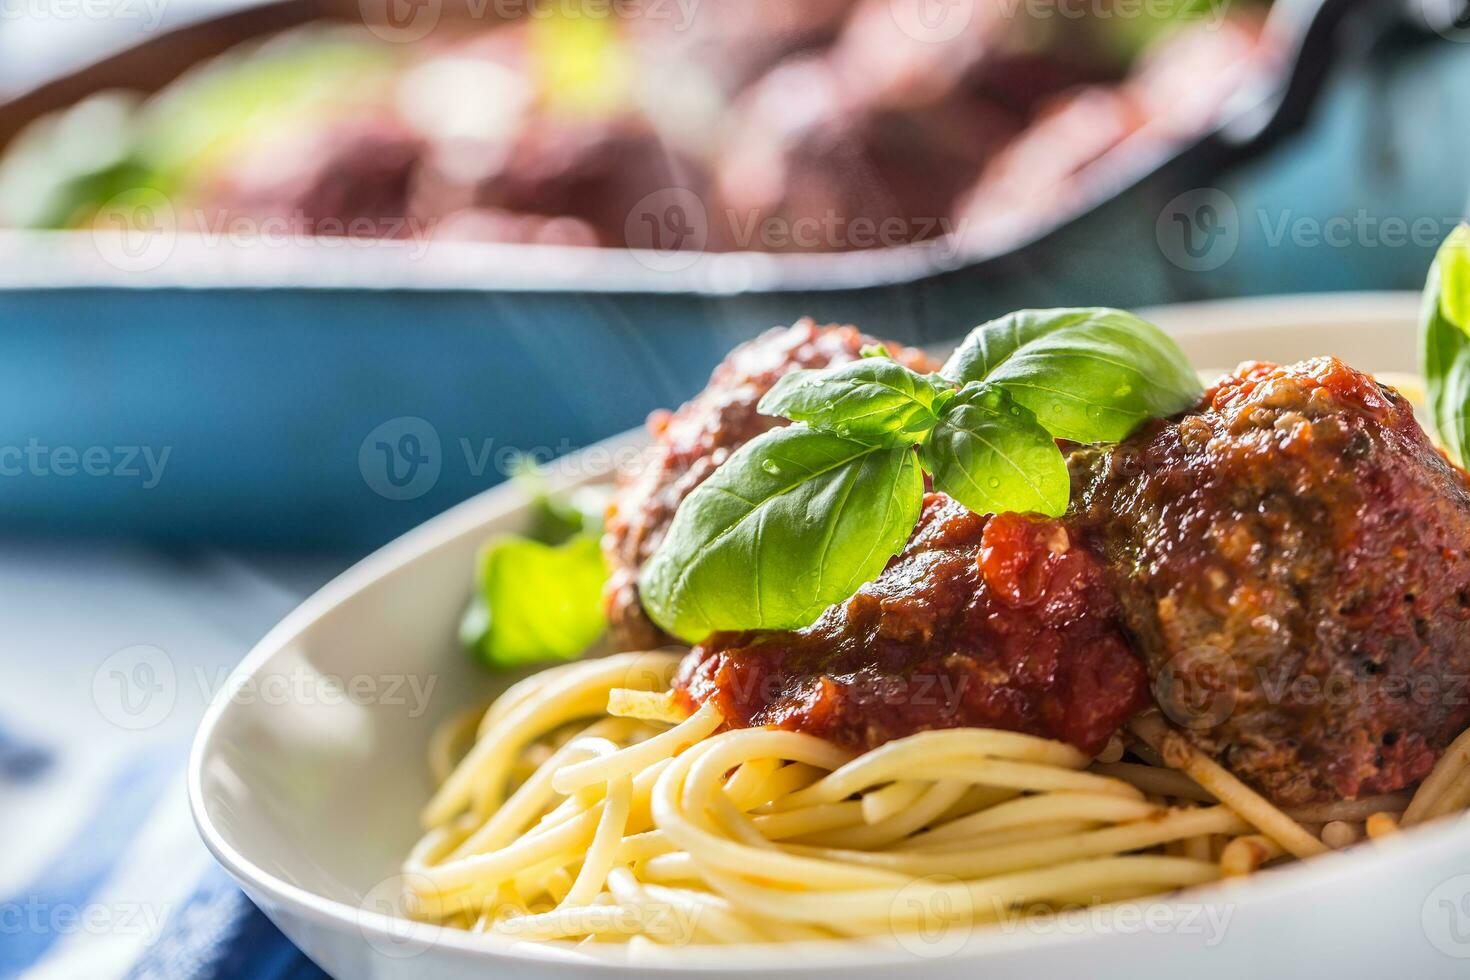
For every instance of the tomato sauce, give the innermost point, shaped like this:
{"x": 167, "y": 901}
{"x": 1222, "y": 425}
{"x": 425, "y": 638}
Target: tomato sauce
{"x": 996, "y": 622}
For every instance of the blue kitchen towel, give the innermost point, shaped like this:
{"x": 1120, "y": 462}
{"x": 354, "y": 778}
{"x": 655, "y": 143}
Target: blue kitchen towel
{"x": 218, "y": 933}
{"x": 102, "y": 874}
{"x": 62, "y": 923}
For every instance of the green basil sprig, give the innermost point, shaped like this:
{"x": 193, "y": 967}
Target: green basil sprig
{"x": 799, "y": 518}
{"x": 1445, "y": 341}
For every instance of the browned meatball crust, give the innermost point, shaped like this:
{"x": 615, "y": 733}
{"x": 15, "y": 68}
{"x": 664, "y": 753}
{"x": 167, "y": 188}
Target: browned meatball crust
{"x": 691, "y": 443}
{"x": 1293, "y": 560}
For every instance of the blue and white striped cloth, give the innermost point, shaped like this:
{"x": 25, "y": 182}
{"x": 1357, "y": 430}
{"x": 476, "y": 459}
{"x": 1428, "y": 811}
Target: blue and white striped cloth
{"x": 101, "y": 872}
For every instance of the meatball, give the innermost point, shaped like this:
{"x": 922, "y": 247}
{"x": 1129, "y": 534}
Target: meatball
{"x": 808, "y": 166}
{"x": 1176, "y": 87}
{"x": 1293, "y": 562}
{"x": 738, "y": 42}
{"x": 349, "y": 178}
{"x": 596, "y": 170}
{"x": 1183, "y": 80}
{"x": 899, "y": 54}
{"x": 1035, "y": 178}
{"x": 991, "y": 622}
{"x": 517, "y": 156}
{"x": 688, "y": 445}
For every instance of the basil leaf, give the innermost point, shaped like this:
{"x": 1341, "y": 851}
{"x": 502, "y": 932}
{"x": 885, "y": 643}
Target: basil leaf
{"x": 1453, "y": 279}
{"x": 989, "y": 453}
{"x": 1090, "y": 374}
{"x": 535, "y": 602}
{"x": 794, "y": 521}
{"x": 875, "y": 400}
{"x": 1445, "y": 339}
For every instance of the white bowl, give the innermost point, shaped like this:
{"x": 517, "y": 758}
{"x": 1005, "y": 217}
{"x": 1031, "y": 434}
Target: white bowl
{"x": 310, "y": 796}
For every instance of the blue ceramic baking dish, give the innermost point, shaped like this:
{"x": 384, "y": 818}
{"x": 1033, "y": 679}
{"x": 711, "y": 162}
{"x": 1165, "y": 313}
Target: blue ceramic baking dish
{"x": 309, "y": 396}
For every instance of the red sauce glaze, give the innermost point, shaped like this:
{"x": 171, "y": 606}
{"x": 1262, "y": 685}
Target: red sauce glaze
{"x": 994, "y": 622}
{"x": 1323, "y": 383}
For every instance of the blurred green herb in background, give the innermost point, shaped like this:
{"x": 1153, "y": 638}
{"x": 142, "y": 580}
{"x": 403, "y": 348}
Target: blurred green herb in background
{"x": 1445, "y": 343}
{"x": 62, "y": 170}
{"x": 538, "y": 596}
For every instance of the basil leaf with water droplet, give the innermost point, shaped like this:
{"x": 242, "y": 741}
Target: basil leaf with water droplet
{"x": 794, "y": 521}
{"x": 874, "y": 400}
{"x": 1089, "y": 374}
{"x": 1445, "y": 341}
{"x": 989, "y": 453}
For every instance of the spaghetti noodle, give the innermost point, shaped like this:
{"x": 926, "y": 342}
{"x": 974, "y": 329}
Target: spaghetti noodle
{"x": 591, "y": 808}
